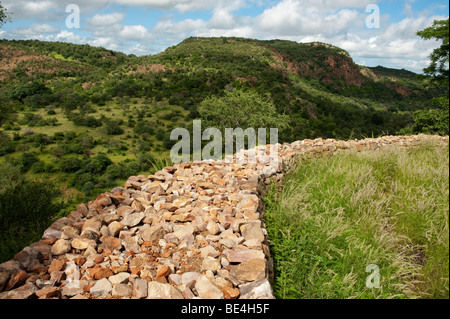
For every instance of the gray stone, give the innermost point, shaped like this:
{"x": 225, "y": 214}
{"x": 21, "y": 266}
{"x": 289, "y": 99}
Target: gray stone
{"x": 211, "y": 263}
{"x": 158, "y": 290}
{"x": 190, "y": 278}
{"x": 114, "y": 228}
{"x": 102, "y": 287}
{"x": 27, "y": 256}
{"x": 252, "y": 231}
{"x": 132, "y": 220}
{"x": 260, "y": 289}
{"x": 121, "y": 278}
{"x": 153, "y": 233}
{"x": 140, "y": 288}
{"x": 207, "y": 290}
{"x": 243, "y": 255}
{"x": 27, "y": 291}
{"x": 61, "y": 247}
{"x": 122, "y": 290}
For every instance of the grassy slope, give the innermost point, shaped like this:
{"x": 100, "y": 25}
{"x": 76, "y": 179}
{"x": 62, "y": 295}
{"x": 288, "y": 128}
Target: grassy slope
{"x": 335, "y": 216}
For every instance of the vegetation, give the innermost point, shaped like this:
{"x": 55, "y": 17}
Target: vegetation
{"x": 336, "y": 216}
{"x": 86, "y": 118}
{"x": 3, "y": 15}
{"x": 27, "y": 207}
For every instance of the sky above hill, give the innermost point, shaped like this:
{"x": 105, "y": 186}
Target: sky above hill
{"x": 144, "y": 27}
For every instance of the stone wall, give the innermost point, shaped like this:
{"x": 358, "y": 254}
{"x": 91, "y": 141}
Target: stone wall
{"x": 190, "y": 231}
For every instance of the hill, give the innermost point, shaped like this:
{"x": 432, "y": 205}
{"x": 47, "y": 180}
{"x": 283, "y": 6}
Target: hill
{"x": 88, "y": 117}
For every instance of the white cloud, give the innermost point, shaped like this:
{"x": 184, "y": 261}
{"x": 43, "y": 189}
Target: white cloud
{"x": 133, "y": 33}
{"x": 106, "y": 19}
{"x": 180, "y": 5}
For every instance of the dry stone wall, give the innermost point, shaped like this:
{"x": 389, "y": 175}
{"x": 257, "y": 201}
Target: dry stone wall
{"x": 194, "y": 230}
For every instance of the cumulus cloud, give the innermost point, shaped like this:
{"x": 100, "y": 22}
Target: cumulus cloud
{"x": 180, "y": 5}
{"x": 339, "y": 22}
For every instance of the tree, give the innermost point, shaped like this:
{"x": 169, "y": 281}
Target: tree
{"x": 241, "y": 109}
{"x": 438, "y": 70}
{"x": 4, "y": 17}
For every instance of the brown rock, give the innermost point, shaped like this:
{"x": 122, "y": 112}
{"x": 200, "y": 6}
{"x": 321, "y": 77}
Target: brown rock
{"x": 230, "y": 293}
{"x": 47, "y": 292}
{"x": 111, "y": 243}
{"x": 16, "y": 280}
{"x": 61, "y": 247}
{"x": 250, "y": 270}
{"x": 57, "y": 265}
{"x": 99, "y": 273}
{"x": 163, "y": 272}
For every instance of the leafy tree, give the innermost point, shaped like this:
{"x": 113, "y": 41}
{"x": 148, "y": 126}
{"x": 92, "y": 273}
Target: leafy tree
{"x": 4, "y": 17}
{"x": 438, "y": 70}
{"x": 24, "y": 90}
{"x": 241, "y": 109}
{"x": 436, "y": 120}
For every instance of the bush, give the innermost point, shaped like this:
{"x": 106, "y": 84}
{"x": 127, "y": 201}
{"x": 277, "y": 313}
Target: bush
{"x": 431, "y": 122}
{"x": 26, "y": 209}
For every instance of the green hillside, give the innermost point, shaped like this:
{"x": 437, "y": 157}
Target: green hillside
{"x": 89, "y": 117}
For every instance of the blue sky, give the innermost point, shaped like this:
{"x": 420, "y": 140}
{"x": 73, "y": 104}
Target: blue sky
{"x": 145, "y": 27}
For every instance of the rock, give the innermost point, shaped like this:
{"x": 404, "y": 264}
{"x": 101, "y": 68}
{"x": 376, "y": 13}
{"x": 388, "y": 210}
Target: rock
{"x": 47, "y": 292}
{"x": 27, "y": 291}
{"x": 122, "y": 290}
{"x": 57, "y": 265}
{"x": 190, "y": 278}
{"x": 99, "y": 272}
{"x": 158, "y": 290}
{"x": 181, "y": 202}
{"x": 230, "y": 293}
{"x": 207, "y": 290}
{"x": 140, "y": 288}
{"x": 94, "y": 223}
{"x": 16, "y": 280}
{"x": 153, "y": 233}
{"x": 209, "y": 251}
{"x": 61, "y": 247}
{"x": 212, "y": 228}
{"x": 111, "y": 243}
{"x": 252, "y": 231}
{"x": 260, "y": 289}
{"x": 71, "y": 291}
{"x": 163, "y": 272}
{"x": 211, "y": 263}
{"x": 251, "y": 270}
{"x": 175, "y": 279}
{"x": 114, "y": 228}
{"x": 27, "y": 256}
{"x": 121, "y": 278}
{"x": 102, "y": 287}
{"x": 4, "y": 277}
{"x": 130, "y": 243}
{"x": 91, "y": 234}
{"x": 132, "y": 220}
{"x": 82, "y": 209}
{"x": 83, "y": 243}
{"x": 51, "y": 233}
{"x": 243, "y": 255}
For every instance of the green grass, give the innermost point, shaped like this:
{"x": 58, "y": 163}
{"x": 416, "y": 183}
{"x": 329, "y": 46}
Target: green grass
{"x": 335, "y": 216}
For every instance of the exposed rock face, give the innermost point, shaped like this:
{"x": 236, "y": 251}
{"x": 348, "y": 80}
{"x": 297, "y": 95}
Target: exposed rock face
{"x": 194, "y": 230}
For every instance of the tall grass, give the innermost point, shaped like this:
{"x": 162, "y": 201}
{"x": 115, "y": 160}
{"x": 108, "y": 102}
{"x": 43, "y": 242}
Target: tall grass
{"x": 335, "y": 216}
